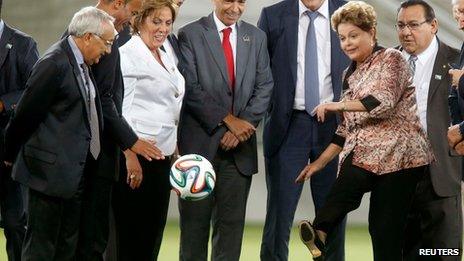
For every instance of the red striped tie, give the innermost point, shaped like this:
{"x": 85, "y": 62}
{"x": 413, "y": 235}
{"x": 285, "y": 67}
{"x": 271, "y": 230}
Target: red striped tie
{"x": 229, "y": 55}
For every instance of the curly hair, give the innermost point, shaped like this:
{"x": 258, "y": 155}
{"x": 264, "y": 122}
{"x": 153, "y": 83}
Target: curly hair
{"x": 357, "y": 13}
{"x": 148, "y": 8}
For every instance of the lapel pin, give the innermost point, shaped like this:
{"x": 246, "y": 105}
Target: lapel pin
{"x": 437, "y": 77}
{"x": 246, "y": 38}
{"x": 8, "y": 46}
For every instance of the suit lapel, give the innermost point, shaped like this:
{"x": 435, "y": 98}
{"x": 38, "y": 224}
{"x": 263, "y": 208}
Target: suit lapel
{"x": 335, "y": 53}
{"x": 439, "y": 72}
{"x": 77, "y": 73}
{"x": 174, "y": 43}
{"x": 211, "y": 36}
{"x": 290, "y": 27}
{"x": 243, "y": 50}
{"x": 5, "y": 45}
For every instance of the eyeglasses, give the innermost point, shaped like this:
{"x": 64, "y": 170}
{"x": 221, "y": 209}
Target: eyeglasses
{"x": 107, "y": 43}
{"x": 412, "y": 25}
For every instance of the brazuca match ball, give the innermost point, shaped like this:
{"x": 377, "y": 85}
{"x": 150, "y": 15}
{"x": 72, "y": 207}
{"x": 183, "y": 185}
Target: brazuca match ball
{"x": 192, "y": 177}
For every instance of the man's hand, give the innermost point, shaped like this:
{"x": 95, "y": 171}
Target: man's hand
{"x": 229, "y": 141}
{"x": 454, "y": 135}
{"x": 242, "y": 129}
{"x": 134, "y": 170}
{"x": 147, "y": 149}
{"x": 459, "y": 148}
{"x": 2, "y": 106}
{"x": 455, "y": 75}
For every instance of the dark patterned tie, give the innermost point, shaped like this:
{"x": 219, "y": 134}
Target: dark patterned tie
{"x": 93, "y": 118}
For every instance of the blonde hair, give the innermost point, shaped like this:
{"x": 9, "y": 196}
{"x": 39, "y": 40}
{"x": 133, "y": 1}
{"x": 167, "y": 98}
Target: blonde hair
{"x": 148, "y": 8}
{"x": 357, "y": 13}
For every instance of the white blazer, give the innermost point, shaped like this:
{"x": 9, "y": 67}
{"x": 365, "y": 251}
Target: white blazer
{"x": 152, "y": 94}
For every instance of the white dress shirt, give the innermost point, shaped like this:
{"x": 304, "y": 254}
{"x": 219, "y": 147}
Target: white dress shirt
{"x": 232, "y": 38}
{"x": 152, "y": 94}
{"x": 322, "y": 26}
{"x": 2, "y": 25}
{"x": 422, "y": 78}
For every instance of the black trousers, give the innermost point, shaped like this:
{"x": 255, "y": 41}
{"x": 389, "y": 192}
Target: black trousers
{"x": 94, "y": 223}
{"x": 13, "y": 213}
{"x": 140, "y": 214}
{"x": 53, "y": 223}
{"x": 390, "y": 202}
{"x": 224, "y": 210}
{"x": 434, "y": 223}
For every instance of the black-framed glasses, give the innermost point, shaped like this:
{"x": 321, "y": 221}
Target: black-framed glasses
{"x": 107, "y": 43}
{"x": 412, "y": 25}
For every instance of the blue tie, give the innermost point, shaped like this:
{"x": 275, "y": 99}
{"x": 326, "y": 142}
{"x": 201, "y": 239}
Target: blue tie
{"x": 311, "y": 71}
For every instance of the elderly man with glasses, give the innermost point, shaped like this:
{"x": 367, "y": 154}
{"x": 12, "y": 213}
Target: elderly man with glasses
{"x": 435, "y": 220}
{"x": 55, "y": 136}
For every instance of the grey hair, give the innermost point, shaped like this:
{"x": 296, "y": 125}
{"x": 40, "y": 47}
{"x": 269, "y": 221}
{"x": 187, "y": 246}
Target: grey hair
{"x": 89, "y": 20}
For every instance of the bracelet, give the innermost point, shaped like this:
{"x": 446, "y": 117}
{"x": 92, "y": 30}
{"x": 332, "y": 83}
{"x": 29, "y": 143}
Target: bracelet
{"x": 344, "y": 106}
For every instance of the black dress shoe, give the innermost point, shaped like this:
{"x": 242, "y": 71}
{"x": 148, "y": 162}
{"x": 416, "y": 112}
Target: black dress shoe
{"x": 312, "y": 241}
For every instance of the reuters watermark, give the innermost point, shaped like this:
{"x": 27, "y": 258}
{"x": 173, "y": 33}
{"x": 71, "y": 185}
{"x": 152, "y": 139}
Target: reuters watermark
{"x": 439, "y": 252}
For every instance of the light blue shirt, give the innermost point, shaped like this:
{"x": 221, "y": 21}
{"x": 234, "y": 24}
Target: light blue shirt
{"x": 80, "y": 60}
{"x": 2, "y": 25}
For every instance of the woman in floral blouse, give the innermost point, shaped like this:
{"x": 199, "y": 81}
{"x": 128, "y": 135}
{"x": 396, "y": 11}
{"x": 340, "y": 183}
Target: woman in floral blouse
{"x": 382, "y": 147}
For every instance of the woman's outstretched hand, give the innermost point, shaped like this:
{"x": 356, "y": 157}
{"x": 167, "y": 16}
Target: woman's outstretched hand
{"x": 308, "y": 171}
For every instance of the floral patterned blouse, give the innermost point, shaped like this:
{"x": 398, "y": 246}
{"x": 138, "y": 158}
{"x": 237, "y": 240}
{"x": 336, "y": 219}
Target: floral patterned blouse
{"x": 387, "y": 137}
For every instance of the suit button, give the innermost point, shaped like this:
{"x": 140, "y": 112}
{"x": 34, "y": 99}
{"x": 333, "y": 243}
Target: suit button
{"x": 176, "y": 122}
{"x": 229, "y": 93}
{"x": 88, "y": 139}
{"x": 176, "y": 95}
{"x": 82, "y": 163}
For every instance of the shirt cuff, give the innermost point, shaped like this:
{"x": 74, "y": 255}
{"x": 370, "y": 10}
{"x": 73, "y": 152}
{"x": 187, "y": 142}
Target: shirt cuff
{"x": 338, "y": 140}
{"x": 370, "y": 102}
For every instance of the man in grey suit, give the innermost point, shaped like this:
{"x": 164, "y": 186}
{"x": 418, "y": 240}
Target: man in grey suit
{"x": 435, "y": 221}
{"x": 228, "y": 87}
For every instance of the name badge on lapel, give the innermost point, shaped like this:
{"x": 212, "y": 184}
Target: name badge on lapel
{"x": 246, "y": 38}
{"x": 437, "y": 77}
{"x": 8, "y": 46}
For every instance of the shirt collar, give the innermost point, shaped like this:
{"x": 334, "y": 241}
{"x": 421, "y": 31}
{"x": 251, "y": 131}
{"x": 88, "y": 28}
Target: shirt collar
{"x": 323, "y": 9}
{"x": 220, "y": 25}
{"x": 77, "y": 53}
{"x": 2, "y": 26}
{"x": 429, "y": 52}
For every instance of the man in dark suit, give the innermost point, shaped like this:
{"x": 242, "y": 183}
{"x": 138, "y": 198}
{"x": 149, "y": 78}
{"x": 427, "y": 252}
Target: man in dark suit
{"x": 55, "y": 133}
{"x": 435, "y": 220}
{"x": 117, "y": 136}
{"x": 307, "y": 65}
{"x": 18, "y": 53}
{"x": 228, "y": 87}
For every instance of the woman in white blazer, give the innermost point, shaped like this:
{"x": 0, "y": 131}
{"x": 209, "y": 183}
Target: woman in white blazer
{"x": 153, "y": 93}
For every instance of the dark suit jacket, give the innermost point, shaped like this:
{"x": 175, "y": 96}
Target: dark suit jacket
{"x": 118, "y": 135}
{"x": 446, "y": 170}
{"x": 18, "y": 53}
{"x": 280, "y": 23}
{"x": 50, "y": 126}
{"x": 208, "y": 98}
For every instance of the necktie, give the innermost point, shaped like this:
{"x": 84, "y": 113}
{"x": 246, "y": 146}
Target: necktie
{"x": 229, "y": 55}
{"x": 412, "y": 64}
{"x": 93, "y": 117}
{"x": 311, "y": 68}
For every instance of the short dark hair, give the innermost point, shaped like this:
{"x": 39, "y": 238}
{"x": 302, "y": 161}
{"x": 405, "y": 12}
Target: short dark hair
{"x": 428, "y": 10}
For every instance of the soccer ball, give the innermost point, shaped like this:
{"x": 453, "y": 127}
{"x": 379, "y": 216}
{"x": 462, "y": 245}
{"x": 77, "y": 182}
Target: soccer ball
{"x": 192, "y": 177}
